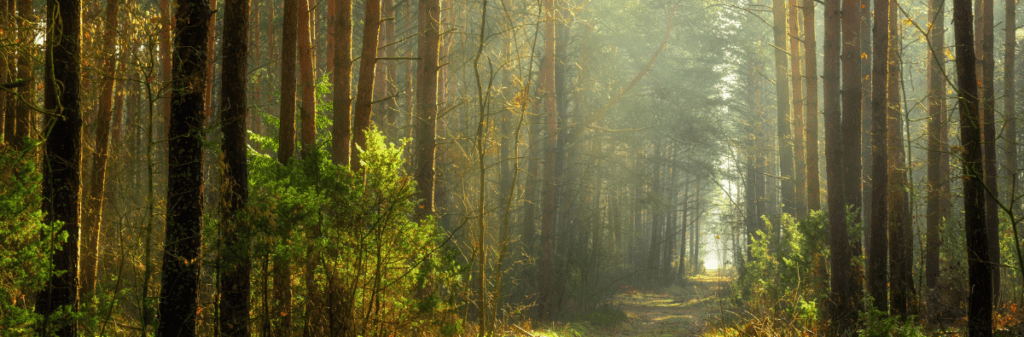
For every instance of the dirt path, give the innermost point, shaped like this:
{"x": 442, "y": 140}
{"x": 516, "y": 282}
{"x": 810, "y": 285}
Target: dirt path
{"x": 678, "y": 310}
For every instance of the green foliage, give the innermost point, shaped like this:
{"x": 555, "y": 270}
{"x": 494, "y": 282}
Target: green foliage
{"x": 880, "y": 324}
{"x": 356, "y": 228}
{"x": 24, "y": 258}
{"x": 786, "y": 279}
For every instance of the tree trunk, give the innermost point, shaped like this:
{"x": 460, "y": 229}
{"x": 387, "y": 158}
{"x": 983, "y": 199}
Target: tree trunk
{"x": 93, "y": 218}
{"x": 236, "y": 264}
{"x": 900, "y": 275}
{"x": 22, "y": 112}
{"x": 785, "y": 137}
{"x": 62, "y": 164}
{"x": 364, "y": 95}
{"x": 308, "y": 82}
{"x": 5, "y": 114}
{"x": 988, "y": 141}
{"x": 851, "y": 131}
{"x": 289, "y": 41}
{"x": 811, "y": 109}
{"x": 878, "y": 284}
{"x": 979, "y": 303}
{"x": 425, "y": 122}
{"x": 286, "y": 149}
{"x": 166, "y": 25}
{"x": 842, "y": 313}
{"x": 341, "y": 130}
{"x": 938, "y": 188}
{"x": 799, "y": 173}
{"x": 183, "y": 240}
{"x": 550, "y": 188}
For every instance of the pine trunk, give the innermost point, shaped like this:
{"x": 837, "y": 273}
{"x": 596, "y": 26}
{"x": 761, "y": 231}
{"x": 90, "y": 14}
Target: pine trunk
{"x": 364, "y": 95}
{"x": 878, "y": 283}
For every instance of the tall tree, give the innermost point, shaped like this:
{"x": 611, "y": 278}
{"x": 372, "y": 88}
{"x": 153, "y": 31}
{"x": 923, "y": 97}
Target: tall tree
{"x": 236, "y": 264}
{"x": 938, "y": 184}
{"x": 1010, "y": 92}
{"x": 286, "y": 149}
{"x": 851, "y": 132}
{"x": 93, "y": 218}
{"x": 5, "y": 23}
{"x": 842, "y": 313}
{"x": 307, "y": 109}
{"x": 900, "y": 267}
{"x": 988, "y": 138}
{"x": 877, "y": 263}
{"x": 22, "y": 112}
{"x": 799, "y": 173}
{"x": 425, "y": 122}
{"x": 62, "y": 164}
{"x": 547, "y": 92}
{"x": 364, "y": 95}
{"x": 341, "y": 132}
{"x": 811, "y": 109}
{"x": 183, "y": 240}
{"x": 979, "y": 298}
{"x": 785, "y": 136}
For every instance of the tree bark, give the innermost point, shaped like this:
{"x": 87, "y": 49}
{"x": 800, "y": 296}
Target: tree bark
{"x": 878, "y": 284}
{"x": 341, "y": 136}
{"x": 92, "y": 221}
{"x": 938, "y": 186}
{"x": 236, "y": 264}
{"x": 979, "y": 298}
{"x": 811, "y": 109}
{"x": 308, "y": 82}
{"x": 62, "y": 164}
{"x": 364, "y": 95}
{"x": 799, "y": 173}
{"x": 425, "y": 122}
{"x": 988, "y": 140}
{"x": 785, "y": 136}
{"x": 289, "y": 41}
{"x": 900, "y": 267}
{"x": 550, "y": 190}
{"x": 851, "y": 132}
{"x": 22, "y": 111}
{"x": 183, "y": 241}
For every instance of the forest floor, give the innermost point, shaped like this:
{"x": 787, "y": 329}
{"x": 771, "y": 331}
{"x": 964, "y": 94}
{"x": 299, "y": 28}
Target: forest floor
{"x": 684, "y": 309}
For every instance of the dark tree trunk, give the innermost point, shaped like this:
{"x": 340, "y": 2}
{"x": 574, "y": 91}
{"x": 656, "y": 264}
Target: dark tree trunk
{"x": 900, "y": 272}
{"x": 938, "y": 186}
{"x": 236, "y": 264}
{"x": 22, "y": 111}
{"x": 851, "y": 132}
{"x": 550, "y": 188}
{"x": 425, "y": 122}
{"x": 811, "y": 109}
{"x": 307, "y": 110}
{"x": 988, "y": 141}
{"x": 5, "y": 114}
{"x": 342, "y": 130}
{"x": 93, "y": 218}
{"x": 62, "y": 163}
{"x": 183, "y": 241}
{"x": 878, "y": 258}
{"x": 364, "y": 95}
{"x": 289, "y": 41}
{"x": 979, "y": 305}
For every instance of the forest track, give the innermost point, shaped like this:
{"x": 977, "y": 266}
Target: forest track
{"x": 684, "y": 309}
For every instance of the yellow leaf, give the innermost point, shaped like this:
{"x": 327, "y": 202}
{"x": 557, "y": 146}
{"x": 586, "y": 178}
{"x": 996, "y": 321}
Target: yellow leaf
{"x": 864, "y": 56}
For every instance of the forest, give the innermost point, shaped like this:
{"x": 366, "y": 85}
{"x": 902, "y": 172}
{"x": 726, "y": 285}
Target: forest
{"x": 510, "y": 168}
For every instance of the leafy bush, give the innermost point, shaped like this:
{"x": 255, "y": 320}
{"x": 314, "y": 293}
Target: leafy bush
{"x": 355, "y": 229}
{"x": 24, "y": 258}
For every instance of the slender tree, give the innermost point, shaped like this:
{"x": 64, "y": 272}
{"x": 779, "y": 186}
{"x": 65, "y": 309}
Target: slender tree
{"x": 425, "y": 122}
{"x": 341, "y": 131}
{"x": 938, "y": 185}
{"x": 236, "y": 264}
{"x": 547, "y": 92}
{"x": 62, "y": 164}
{"x": 307, "y": 109}
{"x": 988, "y": 138}
{"x": 364, "y": 95}
{"x": 286, "y": 149}
{"x": 22, "y": 112}
{"x": 979, "y": 298}
{"x": 811, "y": 109}
{"x": 785, "y": 136}
{"x": 93, "y": 217}
{"x": 877, "y": 265}
{"x": 799, "y": 173}
{"x": 900, "y": 267}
